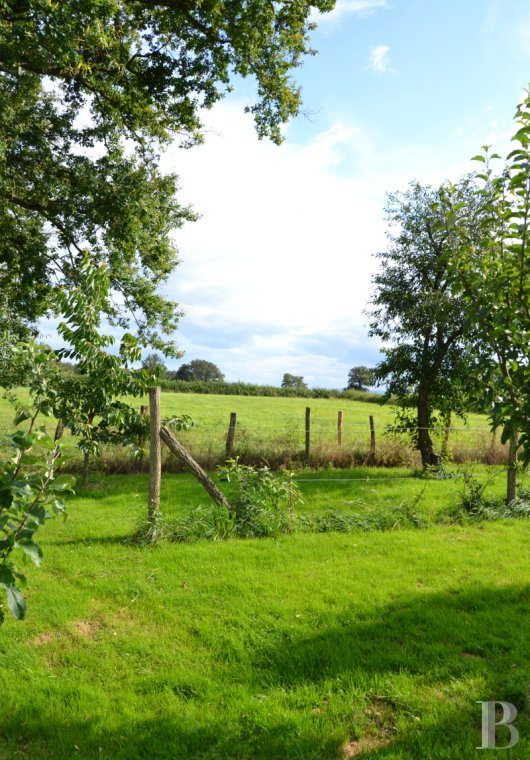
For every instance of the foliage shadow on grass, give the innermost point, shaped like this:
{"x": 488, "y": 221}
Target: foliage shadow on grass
{"x": 441, "y": 629}
{"x": 436, "y": 639}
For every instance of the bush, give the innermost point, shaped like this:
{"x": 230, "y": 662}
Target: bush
{"x": 264, "y": 502}
{"x": 263, "y": 506}
{"x": 251, "y": 389}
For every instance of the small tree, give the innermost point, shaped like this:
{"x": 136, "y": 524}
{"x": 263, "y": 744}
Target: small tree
{"x": 360, "y": 378}
{"x": 89, "y": 403}
{"x": 293, "y": 381}
{"x": 415, "y": 310}
{"x": 495, "y": 282}
{"x": 199, "y": 369}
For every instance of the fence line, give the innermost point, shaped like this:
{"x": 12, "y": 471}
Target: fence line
{"x": 332, "y": 429}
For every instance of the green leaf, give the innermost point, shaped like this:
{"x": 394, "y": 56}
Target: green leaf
{"x": 21, "y": 440}
{"x": 15, "y": 602}
{"x": 478, "y": 157}
{"x": 24, "y": 414}
{"x": 6, "y": 575}
{"x": 32, "y": 550}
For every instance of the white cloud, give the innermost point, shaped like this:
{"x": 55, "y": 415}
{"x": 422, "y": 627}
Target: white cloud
{"x": 283, "y": 246}
{"x": 379, "y": 60}
{"x": 276, "y": 274}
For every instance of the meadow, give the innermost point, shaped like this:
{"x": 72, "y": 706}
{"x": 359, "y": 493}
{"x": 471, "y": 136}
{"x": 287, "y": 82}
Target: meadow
{"x": 272, "y": 430}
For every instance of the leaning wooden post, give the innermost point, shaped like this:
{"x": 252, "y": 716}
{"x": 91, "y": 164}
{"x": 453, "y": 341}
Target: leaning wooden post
{"x": 339, "y": 428}
{"x": 307, "y": 435}
{"x": 155, "y": 456}
{"x": 371, "y": 457}
{"x": 180, "y": 451}
{"x": 231, "y": 435}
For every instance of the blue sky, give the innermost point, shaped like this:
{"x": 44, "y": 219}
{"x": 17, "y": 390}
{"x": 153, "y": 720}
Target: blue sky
{"x": 275, "y": 276}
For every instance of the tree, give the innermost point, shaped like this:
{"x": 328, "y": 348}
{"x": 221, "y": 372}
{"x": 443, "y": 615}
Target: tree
{"x": 495, "y": 282}
{"x": 30, "y": 490}
{"x": 88, "y": 402}
{"x": 155, "y": 364}
{"x": 415, "y": 309}
{"x": 293, "y": 381}
{"x": 90, "y": 94}
{"x": 199, "y": 369}
{"x": 360, "y": 378}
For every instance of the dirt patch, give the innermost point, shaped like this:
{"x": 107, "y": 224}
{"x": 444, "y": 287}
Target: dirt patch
{"x": 381, "y": 717}
{"x": 87, "y": 628}
{"x": 365, "y": 744}
{"x": 44, "y": 638}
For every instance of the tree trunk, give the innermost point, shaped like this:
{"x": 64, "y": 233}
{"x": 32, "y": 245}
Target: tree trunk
{"x": 425, "y": 444}
{"x": 447, "y": 430}
{"x": 86, "y": 460}
{"x": 511, "y": 480}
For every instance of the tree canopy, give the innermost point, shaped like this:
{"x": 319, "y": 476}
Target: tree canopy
{"x": 155, "y": 363}
{"x": 199, "y": 369}
{"x": 293, "y": 381}
{"x": 360, "y": 378}
{"x": 416, "y": 310}
{"x": 91, "y": 91}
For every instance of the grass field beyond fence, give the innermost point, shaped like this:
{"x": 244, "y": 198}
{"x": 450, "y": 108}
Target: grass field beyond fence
{"x": 272, "y": 430}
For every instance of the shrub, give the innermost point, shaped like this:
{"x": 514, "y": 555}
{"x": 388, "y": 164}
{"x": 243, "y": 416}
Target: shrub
{"x": 474, "y": 505}
{"x": 264, "y": 501}
{"x": 263, "y": 506}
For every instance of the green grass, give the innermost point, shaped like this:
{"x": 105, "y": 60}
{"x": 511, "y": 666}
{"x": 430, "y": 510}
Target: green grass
{"x": 273, "y": 429}
{"x": 307, "y": 647}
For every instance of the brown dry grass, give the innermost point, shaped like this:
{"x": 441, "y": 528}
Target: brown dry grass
{"x": 283, "y": 451}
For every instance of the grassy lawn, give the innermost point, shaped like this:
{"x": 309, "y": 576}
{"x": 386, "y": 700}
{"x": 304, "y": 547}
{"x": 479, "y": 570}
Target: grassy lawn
{"x": 307, "y": 646}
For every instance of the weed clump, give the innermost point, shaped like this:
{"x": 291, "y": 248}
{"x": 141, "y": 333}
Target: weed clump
{"x": 263, "y": 506}
{"x": 475, "y": 506}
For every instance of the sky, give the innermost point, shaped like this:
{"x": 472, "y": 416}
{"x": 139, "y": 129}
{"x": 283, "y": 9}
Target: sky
{"x": 275, "y": 276}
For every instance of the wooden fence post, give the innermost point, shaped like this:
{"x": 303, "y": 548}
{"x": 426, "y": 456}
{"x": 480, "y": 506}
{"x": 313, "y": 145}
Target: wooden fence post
{"x": 339, "y": 428}
{"x": 231, "y": 435}
{"x": 371, "y": 456}
{"x": 307, "y": 435}
{"x": 155, "y": 456}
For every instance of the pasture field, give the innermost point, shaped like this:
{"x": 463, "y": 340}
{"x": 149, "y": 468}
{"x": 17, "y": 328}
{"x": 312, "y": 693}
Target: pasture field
{"x": 307, "y": 646}
{"x": 273, "y": 430}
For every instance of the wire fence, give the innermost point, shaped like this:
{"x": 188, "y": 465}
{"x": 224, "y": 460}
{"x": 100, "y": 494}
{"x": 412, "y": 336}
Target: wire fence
{"x": 321, "y": 442}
